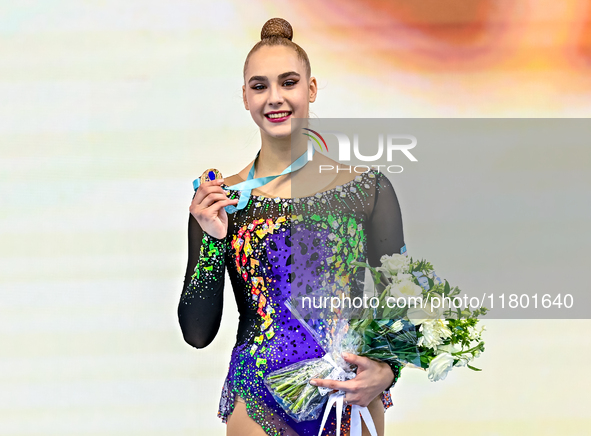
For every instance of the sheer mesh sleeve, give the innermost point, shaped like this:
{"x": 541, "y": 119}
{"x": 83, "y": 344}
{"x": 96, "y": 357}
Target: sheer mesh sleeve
{"x": 201, "y": 303}
{"x": 385, "y": 236}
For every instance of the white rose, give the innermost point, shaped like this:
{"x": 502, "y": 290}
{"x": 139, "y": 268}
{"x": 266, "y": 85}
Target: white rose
{"x": 395, "y": 264}
{"x": 405, "y": 289}
{"x": 440, "y": 366}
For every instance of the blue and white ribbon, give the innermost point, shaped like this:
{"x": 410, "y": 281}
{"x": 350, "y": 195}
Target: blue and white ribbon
{"x": 250, "y": 183}
{"x": 357, "y": 412}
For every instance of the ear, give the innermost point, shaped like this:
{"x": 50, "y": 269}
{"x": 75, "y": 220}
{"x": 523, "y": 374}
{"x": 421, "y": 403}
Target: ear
{"x": 313, "y": 89}
{"x": 244, "y": 97}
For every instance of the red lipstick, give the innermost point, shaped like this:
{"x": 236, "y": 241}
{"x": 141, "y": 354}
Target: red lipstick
{"x": 276, "y": 119}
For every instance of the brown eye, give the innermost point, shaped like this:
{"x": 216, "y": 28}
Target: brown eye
{"x": 289, "y": 83}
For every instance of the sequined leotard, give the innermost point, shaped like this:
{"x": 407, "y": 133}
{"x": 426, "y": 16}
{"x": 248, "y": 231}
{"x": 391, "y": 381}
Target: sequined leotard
{"x": 359, "y": 220}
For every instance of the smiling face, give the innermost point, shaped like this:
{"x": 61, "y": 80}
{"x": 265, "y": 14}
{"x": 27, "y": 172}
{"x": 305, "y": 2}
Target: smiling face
{"x": 277, "y": 89}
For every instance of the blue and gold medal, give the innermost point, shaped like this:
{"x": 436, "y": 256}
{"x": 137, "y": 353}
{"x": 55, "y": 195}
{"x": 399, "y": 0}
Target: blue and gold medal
{"x": 210, "y": 174}
{"x": 250, "y": 183}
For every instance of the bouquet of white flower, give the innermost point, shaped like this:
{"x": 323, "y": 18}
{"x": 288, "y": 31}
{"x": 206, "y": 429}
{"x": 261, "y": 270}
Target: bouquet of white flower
{"x": 409, "y": 321}
{"x": 411, "y": 291}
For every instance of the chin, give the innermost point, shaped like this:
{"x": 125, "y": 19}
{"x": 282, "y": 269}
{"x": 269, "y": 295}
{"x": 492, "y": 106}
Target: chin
{"x": 281, "y": 135}
{"x": 279, "y": 132}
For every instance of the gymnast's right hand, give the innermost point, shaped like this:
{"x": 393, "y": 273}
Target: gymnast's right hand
{"x": 208, "y": 205}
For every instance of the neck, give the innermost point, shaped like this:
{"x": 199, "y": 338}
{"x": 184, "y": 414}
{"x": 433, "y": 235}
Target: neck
{"x": 275, "y": 156}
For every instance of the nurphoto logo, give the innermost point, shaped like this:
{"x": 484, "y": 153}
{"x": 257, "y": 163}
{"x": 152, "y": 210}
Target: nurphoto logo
{"x": 394, "y": 143}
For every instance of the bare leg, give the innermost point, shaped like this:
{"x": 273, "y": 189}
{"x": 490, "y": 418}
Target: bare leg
{"x": 376, "y": 409}
{"x": 240, "y": 424}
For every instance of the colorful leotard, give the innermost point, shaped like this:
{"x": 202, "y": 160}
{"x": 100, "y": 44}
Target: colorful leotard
{"x": 359, "y": 220}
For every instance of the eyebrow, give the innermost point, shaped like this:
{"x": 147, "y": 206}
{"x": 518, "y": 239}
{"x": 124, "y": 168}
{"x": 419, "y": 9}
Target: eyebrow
{"x": 281, "y": 76}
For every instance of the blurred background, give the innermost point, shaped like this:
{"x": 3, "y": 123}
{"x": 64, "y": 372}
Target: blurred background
{"x": 109, "y": 110}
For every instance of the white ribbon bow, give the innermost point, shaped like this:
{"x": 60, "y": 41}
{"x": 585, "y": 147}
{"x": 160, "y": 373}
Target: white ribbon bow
{"x": 357, "y": 412}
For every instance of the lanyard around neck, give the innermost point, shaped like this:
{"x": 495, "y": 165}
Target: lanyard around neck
{"x": 251, "y": 183}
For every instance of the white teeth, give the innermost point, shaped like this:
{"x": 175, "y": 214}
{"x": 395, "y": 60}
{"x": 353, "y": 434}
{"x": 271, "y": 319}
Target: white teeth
{"x": 278, "y": 115}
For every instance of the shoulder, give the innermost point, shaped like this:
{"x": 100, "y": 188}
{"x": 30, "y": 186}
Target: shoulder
{"x": 382, "y": 180}
{"x": 384, "y": 188}
{"x": 378, "y": 179}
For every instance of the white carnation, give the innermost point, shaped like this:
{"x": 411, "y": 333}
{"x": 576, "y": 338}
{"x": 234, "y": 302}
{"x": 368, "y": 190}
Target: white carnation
{"x": 435, "y": 331}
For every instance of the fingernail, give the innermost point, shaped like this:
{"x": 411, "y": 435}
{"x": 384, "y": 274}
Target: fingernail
{"x": 313, "y": 382}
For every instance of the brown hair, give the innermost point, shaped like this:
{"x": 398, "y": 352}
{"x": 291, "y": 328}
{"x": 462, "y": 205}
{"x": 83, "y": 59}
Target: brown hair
{"x": 278, "y": 31}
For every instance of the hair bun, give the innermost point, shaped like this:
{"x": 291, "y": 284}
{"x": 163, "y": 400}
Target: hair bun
{"x": 277, "y": 27}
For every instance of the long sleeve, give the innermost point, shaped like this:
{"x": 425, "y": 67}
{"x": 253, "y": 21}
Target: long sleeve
{"x": 202, "y": 298}
{"x": 386, "y": 235}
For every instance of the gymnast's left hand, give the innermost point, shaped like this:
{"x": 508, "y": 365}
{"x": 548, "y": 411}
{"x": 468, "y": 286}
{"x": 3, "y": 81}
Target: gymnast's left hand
{"x": 372, "y": 379}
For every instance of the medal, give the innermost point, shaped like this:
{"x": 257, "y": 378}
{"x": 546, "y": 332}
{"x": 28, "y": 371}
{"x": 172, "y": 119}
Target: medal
{"x": 210, "y": 174}
{"x": 250, "y": 183}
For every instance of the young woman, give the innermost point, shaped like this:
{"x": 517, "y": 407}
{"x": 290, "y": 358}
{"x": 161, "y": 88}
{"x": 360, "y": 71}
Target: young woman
{"x": 255, "y": 244}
